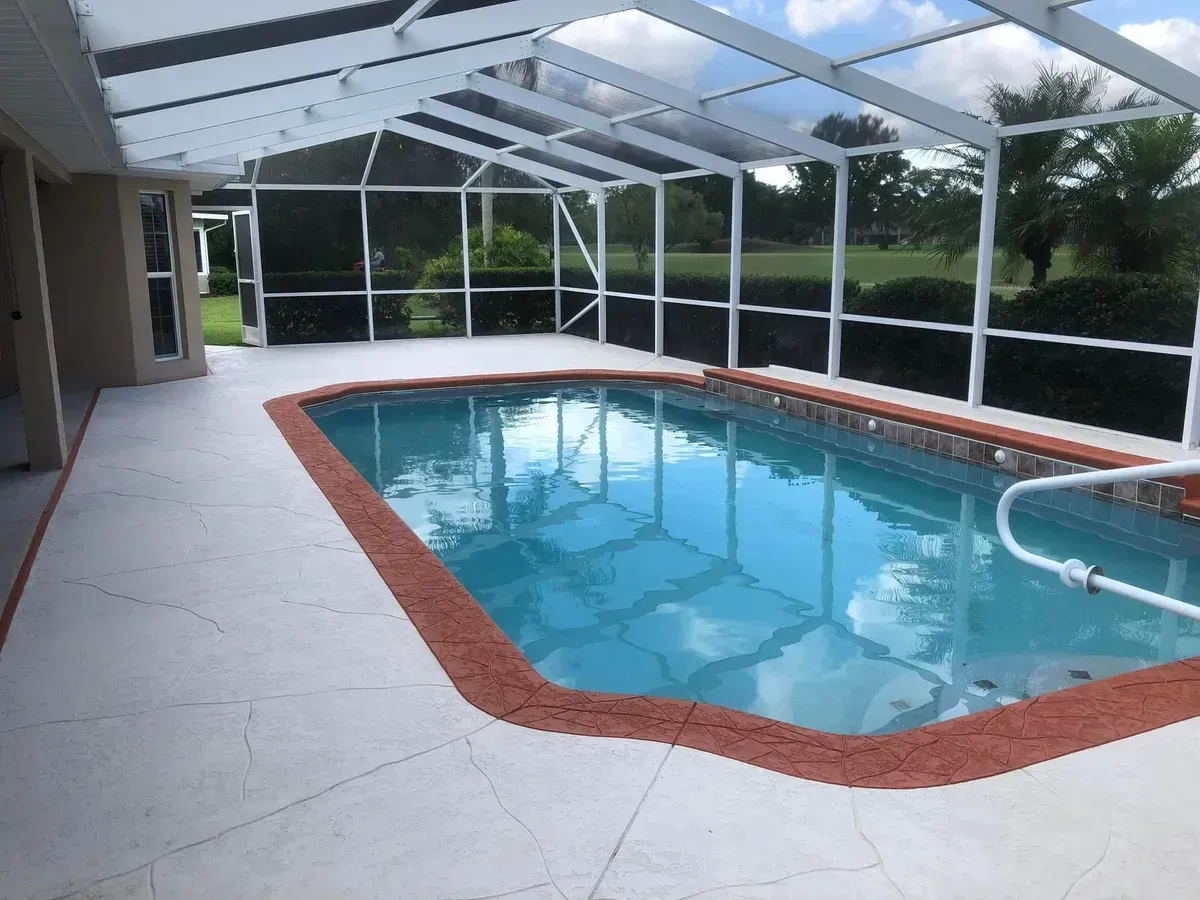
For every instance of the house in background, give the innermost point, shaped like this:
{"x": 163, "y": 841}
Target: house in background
{"x": 202, "y": 224}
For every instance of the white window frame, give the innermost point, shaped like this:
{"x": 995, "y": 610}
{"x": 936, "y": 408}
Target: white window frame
{"x": 203, "y": 232}
{"x": 169, "y": 276}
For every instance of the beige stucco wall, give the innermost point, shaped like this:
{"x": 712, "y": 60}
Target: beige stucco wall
{"x": 85, "y": 272}
{"x": 96, "y": 270}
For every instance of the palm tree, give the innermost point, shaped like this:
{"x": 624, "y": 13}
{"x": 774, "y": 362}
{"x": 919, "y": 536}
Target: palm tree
{"x": 1037, "y": 172}
{"x": 1138, "y": 207}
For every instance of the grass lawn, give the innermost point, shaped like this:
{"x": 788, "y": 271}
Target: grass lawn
{"x": 222, "y": 321}
{"x": 866, "y": 264}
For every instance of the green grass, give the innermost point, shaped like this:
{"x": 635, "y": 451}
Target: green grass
{"x": 866, "y": 264}
{"x": 222, "y": 319}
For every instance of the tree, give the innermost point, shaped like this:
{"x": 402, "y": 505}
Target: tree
{"x": 1138, "y": 208}
{"x": 630, "y": 219}
{"x": 876, "y": 182}
{"x": 1037, "y": 174}
{"x": 524, "y": 73}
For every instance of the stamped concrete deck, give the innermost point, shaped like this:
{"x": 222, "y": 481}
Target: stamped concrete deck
{"x": 208, "y": 691}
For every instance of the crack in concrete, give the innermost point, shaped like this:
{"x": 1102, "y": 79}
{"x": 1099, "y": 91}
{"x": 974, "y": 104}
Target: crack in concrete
{"x": 249, "y": 751}
{"x": 212, "y": 622}
{"x": 190, "y": 504}
{"x": 1088, "y": 871}
{"x": 343, "y": 612}
{"x": 871, "y": 844}
{"x": 153, "y": 889}
{"x": 201, "y": 703}
{"x": 194, "y": 562}
{"x": 306, "y": 799}
{"x": 629, "y": 824}
{"x": 774, "y": 881}
{"x": 512, "y": 893}
{"x": 511, "y": 815}
{"x": 139, "y": 471}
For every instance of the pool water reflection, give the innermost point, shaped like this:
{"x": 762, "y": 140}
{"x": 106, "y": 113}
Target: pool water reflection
{"x": 674, "y": 543}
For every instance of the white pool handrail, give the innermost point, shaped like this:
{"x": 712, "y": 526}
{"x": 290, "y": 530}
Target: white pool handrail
{"x": 1073, "y": 572}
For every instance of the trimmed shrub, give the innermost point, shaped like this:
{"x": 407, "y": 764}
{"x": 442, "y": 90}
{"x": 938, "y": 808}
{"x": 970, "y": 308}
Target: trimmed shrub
{"x": 393, "y": 317}
{"x": 927, "y": 299}
{"x": 1150, "y": 308}
{"x": 313, "y": 282}
{"x": 222, "y": 282}
{"x": 316, "y": 320}
{"x": 496, "y": 312}
{"x": 927, "y": 361}
{"x": 1122, "y": 389}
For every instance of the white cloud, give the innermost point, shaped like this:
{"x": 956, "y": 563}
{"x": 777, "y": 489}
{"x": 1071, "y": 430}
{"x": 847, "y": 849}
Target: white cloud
{"x": 1176, "y": 39}
{"x": 778, "y": 176}
{"x": 809, "y": 17}
{"x": 638, "y": 41}
{"x": 921, "y": 17}
{"x": 956, "y": 71}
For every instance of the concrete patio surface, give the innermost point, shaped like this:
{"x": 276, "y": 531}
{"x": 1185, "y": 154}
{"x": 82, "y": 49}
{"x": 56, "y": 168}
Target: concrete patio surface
{"x": 209, "y": 692}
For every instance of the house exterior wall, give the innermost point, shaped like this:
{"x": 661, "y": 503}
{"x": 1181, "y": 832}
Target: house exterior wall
{"x": 85, "y": 267}
{"x": 96, "y": 265}
{"x": 191, "y": 330}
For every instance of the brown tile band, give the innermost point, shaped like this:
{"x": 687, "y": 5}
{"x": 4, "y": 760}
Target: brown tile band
{"x": 1025, "y": 441}
{"x": 493, "y": 675}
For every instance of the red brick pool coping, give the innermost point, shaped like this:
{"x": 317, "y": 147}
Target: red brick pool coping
{"x": 493, "y": 675}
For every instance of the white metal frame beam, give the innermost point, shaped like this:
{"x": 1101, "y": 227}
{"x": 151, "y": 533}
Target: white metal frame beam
{"x": 756, "y": 42}
{"x": 590, "y": 121}
{"x": 432, "y": 136}
{"x": 535, "y": 141}
{"x": 306, "y": 59}
{"x": 410, "y": 15}
{"x": 239, "y": 137}
{"x": 126, "y": 23}
{"x": 742, "y": 120}
{"x": 958, "y": 29}
{"x": 1103, "y": 46}
{"x": 290, "y": 105}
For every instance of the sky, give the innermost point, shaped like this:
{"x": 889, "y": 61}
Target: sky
{"x": 954, "y": 72}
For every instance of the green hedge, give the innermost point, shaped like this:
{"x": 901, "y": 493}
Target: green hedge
{"x": 1126, "y": 390}
{"x": 222, "y": 282}
{"x": 498, "y": 312}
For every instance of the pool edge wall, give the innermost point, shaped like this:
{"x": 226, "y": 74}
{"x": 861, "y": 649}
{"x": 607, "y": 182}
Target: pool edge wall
{"x": 492, "y": 674}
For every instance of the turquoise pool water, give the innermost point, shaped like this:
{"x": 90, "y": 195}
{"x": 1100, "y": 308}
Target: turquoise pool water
{"x": 674, "y": 543}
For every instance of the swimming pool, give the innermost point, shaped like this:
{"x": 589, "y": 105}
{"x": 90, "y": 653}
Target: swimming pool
{"x": 669, "y": 542}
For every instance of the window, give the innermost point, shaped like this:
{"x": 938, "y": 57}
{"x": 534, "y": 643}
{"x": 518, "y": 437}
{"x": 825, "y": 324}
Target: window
{"x": 160, "y": 275}
{"x": 201, "y": 240}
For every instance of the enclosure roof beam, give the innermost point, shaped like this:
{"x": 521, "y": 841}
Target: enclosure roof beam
{"x": 126, "y": 23}
{"x": 761, "y": 44}
{"x": 284, "y": 126}
{"x": 1107, "y": 117}
{"x": 322, "y": 132}
{"x": 742, "y": 120}
{"x": 305, "y": 59}
{"x": 582, "y": 118}
{"x": 305, "y": 143}
{"x": 1104, "y": 46}
{"x": 536, "y": 141}
{"x": 222, "y": 167}
{"x": 410, "y": 15}
{"x": 320, "y": 97}
{"x": 470, "y": 148}
{"x": 958, "y": 29}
